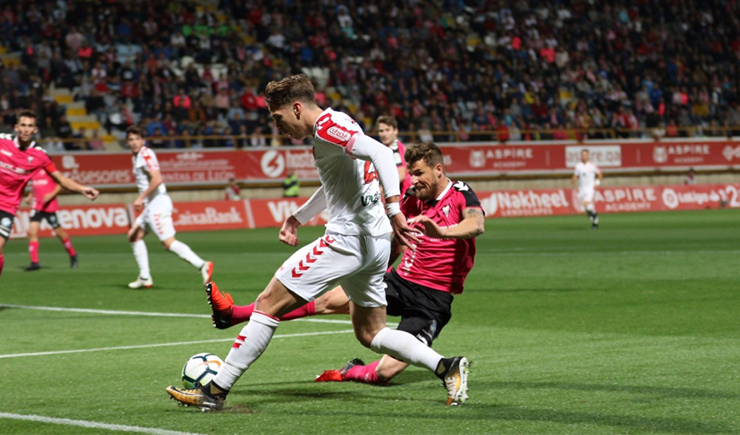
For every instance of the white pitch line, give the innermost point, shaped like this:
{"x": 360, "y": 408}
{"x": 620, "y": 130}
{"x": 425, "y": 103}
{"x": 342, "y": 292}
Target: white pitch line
{"x": 92, "y": 424}
{"x": 144, "y": 346}
{"x": 145, "y": 313}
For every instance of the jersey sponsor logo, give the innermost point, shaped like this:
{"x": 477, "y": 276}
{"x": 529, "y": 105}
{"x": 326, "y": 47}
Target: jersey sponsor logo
{"x": 370, "y": 199}
{"x": 11, "y": 168}
{"x": 338, "y": 133}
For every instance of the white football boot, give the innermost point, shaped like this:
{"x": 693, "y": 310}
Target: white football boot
{"x": 141, "y": 282}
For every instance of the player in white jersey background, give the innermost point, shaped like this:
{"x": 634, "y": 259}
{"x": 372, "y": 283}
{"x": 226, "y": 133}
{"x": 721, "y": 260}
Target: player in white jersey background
{"x": 155, "y": 206}
{"x": 353, "y": 253}
{"x": 588, "y": 176}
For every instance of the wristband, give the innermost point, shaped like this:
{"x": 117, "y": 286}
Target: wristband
{"x": 392, "y": 208}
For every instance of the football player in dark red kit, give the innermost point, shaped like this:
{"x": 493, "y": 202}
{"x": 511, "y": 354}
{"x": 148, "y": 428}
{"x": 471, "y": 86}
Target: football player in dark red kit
{"x": 420, "y": 290}
{"x": 20, "y": 159}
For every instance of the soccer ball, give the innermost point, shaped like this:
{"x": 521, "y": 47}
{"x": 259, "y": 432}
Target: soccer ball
{"x": 200, "y": 369}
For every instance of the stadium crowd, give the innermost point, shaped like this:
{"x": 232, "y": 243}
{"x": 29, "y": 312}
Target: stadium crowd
{"x": 526, "y": 70}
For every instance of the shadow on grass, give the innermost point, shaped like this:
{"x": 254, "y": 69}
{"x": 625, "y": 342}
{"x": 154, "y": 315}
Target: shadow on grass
{"x": 540, "y": 290}
{"x": 493, "y": 413}
{"x": 665, "y": 392}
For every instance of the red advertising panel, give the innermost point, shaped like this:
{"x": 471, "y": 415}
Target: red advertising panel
{"x": 210, "y": 215}
{"x": 203, "y": 167}
{"x": 548, "y": 202}
{"x": 273, "y": 212}
{"x": 276, "y": 164}
{"x": 79, "y": 220}
{"x": 96, "y": 169}
{"x": 199, "y": 167}
{"x": 482, "y": 159}
{"x": 668, "y": 154}
{"x": 486, "y": 159}
{"x": 267, "y": 213}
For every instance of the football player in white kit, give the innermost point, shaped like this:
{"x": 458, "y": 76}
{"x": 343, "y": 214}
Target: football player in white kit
{"x": 354, "y": 252}
{"x": 589, "y": 176}
{"x": 155, "y": 206}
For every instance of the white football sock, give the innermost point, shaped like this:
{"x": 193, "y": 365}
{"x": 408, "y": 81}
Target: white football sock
{"x": 142, "y": 258}
{"x": 249, "y": 345}
{"x": 183, "y": 251}
{"x": 406, "y": 347}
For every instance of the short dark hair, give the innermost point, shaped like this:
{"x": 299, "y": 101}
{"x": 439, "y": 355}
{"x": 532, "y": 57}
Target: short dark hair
{"x": 134, "y": 130}
{"x": 585, "y": 149}
{"x": 288, "y": 90}
{"x": 387, "y": 120}
{"x": 426, "y": 151}
{"x": 24, "y": 113}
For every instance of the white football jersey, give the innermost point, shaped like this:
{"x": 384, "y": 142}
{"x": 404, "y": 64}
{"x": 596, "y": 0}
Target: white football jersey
{"x": 586, "y": 173}
{"x": 144, "y": 162}
{"x": 351, "y": 185}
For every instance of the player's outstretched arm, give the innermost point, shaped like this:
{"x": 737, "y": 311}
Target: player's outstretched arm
{"x": 74, "y": 186}
{"x": 472, "y": 225}
{"x": 309, "y": 209}
{"x": 315, "y": 205}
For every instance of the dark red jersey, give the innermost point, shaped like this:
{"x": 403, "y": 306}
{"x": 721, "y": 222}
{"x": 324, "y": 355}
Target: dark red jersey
{"x": 440, "y": 264}
{"x": 17, "y": 166}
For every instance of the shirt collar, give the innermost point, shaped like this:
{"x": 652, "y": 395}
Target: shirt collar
{"x": 447, "y": 189}
{"x": 434, "y": 202}
{"x": 18, "y": 144}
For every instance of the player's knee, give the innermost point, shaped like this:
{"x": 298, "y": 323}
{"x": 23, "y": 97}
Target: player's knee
{"x": 168, "y": 243}
{"x": 132, "y": 236}
{"x": 364, "y": 338}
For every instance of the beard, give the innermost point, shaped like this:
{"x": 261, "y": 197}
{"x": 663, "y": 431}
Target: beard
{"x": 427, "y": 193}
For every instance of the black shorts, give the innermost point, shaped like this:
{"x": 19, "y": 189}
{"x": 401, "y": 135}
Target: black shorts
{"x": 51, "y": 218}
{"x": 424, "y": 311}
{"x": 6, "y": 224}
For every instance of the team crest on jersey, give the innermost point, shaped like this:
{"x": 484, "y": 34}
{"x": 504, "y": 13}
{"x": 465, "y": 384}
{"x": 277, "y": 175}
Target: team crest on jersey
{"x": 30, "y": 159}
{"x": 338, "y": 133}
{"x": 446, "y": 210}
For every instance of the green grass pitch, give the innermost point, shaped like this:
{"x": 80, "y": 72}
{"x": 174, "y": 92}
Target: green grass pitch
{"x": 629, "y": 329}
